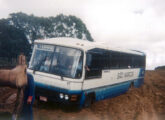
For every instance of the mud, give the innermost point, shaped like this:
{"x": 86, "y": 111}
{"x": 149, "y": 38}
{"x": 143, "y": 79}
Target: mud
{"x": 144, "y": 103}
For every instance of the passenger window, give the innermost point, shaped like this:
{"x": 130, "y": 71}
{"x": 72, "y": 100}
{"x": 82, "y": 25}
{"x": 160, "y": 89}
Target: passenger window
{"x": 93, "y": 65}
{"x": 115, "y": 60}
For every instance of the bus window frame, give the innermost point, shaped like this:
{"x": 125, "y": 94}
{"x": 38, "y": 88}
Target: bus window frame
{"x": 52, "y": 60}
{"x": 120, "y": 66}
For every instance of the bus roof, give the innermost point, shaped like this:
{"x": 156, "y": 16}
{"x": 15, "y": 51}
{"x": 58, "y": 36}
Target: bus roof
{"x": 83, "y": 44}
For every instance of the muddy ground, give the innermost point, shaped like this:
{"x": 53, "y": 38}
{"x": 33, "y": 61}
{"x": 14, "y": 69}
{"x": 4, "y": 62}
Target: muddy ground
{"x": 144, "y": 103}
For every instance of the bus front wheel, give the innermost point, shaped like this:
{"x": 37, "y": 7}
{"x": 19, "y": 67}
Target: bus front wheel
{"x": 89, "y": 100}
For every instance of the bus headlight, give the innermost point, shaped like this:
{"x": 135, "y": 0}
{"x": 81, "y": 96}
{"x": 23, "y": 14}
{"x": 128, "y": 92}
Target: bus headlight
{"x": 61, "y": 95}
{"x": 66, "y": 97}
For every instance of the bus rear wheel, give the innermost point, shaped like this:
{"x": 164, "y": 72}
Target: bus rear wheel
{"x": 131, "y": 85}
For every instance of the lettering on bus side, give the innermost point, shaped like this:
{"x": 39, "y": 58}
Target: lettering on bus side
{"x": 106, "y": 71}
{"x": 129, "y": 74}
{"x": 121, "y": 75}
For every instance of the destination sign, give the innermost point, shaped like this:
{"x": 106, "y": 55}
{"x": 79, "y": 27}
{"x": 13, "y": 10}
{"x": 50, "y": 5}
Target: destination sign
{"x": 124, "y": 75}
{"x": 45, "y": 47}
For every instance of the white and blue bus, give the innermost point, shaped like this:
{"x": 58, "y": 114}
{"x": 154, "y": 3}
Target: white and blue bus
{"x": 74, "y": 71}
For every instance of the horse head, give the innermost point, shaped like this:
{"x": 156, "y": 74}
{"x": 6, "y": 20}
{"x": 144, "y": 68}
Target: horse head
{"x": 21, "y": 72}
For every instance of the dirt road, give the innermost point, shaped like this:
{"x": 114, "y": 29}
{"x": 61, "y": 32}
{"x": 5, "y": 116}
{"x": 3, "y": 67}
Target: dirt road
{"x": 144, "y": 103}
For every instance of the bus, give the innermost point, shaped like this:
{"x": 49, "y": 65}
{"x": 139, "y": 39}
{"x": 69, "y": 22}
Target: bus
{"x": 74, "y": 71}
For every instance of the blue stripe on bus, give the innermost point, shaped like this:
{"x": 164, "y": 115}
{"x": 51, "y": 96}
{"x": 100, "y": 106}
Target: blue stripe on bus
{"x": 106, "y": 91}
{"x": 100, "y": 92}
{"x": 109, "y": 91}
{"x": 113, "y": 90}
{"x": 140, "y": 79}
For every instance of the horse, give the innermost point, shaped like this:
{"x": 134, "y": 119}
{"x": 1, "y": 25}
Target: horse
{"x": 15, "y": 78}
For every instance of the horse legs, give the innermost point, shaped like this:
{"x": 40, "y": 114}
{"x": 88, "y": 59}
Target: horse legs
{"x": 18, "y": 103}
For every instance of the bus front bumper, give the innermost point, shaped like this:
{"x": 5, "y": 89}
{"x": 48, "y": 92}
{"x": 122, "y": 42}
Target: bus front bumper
{"x": 58, "y": 95}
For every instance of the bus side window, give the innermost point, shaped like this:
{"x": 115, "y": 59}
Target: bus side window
{"x": 93, "y": 65}
{"x": 115, "y": 60}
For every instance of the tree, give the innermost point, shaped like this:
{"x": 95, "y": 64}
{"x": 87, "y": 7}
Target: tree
{"x": 12, "y": 41}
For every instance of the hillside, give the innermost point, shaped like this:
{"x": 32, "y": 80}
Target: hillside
{"x": 160, "y": 68}
{"x": 144, "y": 103}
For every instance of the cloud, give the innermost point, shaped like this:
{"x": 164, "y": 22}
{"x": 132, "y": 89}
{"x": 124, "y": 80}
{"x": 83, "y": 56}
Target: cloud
{"x": 45, "y": 7}
{"x": 140, "y": 11}
{"x": 134, "y": 24}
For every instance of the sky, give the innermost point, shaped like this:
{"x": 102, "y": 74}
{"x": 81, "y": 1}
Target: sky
{"x": 130, "y": 24}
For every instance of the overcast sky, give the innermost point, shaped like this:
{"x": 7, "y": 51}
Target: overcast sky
{"x": 133, "y": 24}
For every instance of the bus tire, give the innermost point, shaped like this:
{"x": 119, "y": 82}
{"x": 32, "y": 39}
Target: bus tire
{"x": 89, "y": 100}
{"x": 131, "y": 85}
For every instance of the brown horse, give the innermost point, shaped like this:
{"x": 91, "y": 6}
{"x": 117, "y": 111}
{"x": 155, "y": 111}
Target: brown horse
{"x": 15, "y": 78}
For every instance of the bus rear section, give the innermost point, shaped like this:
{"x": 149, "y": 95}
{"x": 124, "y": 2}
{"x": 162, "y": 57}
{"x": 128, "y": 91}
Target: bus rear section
{"x": 110, "y": 73}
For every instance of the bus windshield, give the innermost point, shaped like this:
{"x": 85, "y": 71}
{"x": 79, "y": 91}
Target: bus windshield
{"x": 58, "y": 60}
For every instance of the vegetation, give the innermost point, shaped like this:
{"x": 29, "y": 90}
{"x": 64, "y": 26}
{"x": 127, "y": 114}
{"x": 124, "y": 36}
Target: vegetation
{"x": 160, "y": 68}
{"x": 18, "y": 32}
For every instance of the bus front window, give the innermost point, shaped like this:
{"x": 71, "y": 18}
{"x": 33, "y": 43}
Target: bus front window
{"x": 41, "y": 60}
{"x": 67, "y": 62}
{"x": 58, "y": 60}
